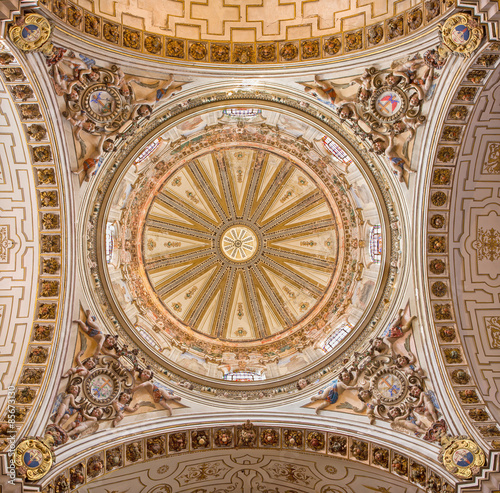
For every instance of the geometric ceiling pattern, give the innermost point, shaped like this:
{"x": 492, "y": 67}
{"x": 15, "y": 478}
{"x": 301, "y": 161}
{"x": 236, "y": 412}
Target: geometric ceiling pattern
{"x": 240, "y": 245}
{"x": 247, "y": 243}
{"x": 254, "y": 32}
{"x": 249, "y": 471}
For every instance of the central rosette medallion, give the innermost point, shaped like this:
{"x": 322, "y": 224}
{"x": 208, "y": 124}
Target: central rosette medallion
{"x": 239, "y": 243}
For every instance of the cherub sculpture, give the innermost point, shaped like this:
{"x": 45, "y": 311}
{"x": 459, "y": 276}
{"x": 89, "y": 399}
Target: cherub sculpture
{"x": 105, "y": 343}
{"x": 160, "y": 396}
{"x": 85, "y": 422}
{"x": 397, "y": 330}
{"x": 68, "y": 406}
{"x": 399, "y": 420}
{"x": 64, "y": 84}
{"x": 385, "y": 145}
{"x": 330, "y": 395}
{"x": 81, "y": 369}
{"x": 93, "y": 160}
{"x": 122, "y": 404}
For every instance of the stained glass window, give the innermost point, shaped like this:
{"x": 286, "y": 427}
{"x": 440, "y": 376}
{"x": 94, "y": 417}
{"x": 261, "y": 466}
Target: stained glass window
{"x": 242, "y": 113}
{"x": 376, "y": 244}
{"x": 149, "y": 339}
{"x": 337, "y": 336}
{"x": 336, "y": 150}
{"x": 243, "y": 376}
{"x": 147, "y": 152}
{"x": 110, "y": 232}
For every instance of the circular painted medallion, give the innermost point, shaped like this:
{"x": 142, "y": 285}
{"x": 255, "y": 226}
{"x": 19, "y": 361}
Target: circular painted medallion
{"x": 460, "y": 34}
{"x": 389, "y": 386}
{"x": 102, "y": 103}
{"x": 239, "y": 243}
{"x": 388, "y": 103}
{"x": 101, "y": 387}
{"x": 32, "y": 458}
{"x": 31, "y": 33}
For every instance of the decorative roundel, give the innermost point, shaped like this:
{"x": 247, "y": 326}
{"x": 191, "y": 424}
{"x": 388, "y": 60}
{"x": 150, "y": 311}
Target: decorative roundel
{"x": 461, "y": 34}
{"x": 463, "y": 457}
{"x": 102, "y": 103}
{"x": 239, "y": 243}
{"x": 389, "y": 386}
{"x": 388, "y": 103}
{"x": 101, "y": 386}
{"x": 33, "y": 459}
{"x": 32, "y": 34}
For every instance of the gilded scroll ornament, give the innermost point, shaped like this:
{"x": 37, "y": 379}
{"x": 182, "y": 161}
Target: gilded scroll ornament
{"x": 461, "y": 34}
{"x": 34, "y": 457}
{"x": 462, "y": 456}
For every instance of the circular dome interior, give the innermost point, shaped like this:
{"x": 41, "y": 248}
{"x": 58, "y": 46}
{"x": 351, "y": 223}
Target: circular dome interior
{"x": 245, "y": 243}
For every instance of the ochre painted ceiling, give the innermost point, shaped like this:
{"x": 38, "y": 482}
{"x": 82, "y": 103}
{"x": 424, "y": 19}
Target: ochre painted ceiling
{"x": 231, "y": 250}
{"x": 262, "y": 31}
{"x": 204, "y": 242}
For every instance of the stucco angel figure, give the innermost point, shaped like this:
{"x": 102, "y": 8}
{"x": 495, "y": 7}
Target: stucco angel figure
{"x": 85, "y": 423}
{"x": 328, "y": 91}
{"x": 405, "y": 70}
{"x": 330, "y": 395}
{"x": 422, "y": 87}
{"x": 385, "y": 145}
{"x": 80, "y": 63}
{"x": 423, "y": 405}
{"x": 68, "y": 406}
{"x": 407, "y": 364}
{"x": 397, "y": 329}
{"x": 105, "y": 343}
{"x": 64, "y": 84}
{"x": 122, "y": 405}
{"x": 91, "y": 163}
{"x": 81, "y": 369}
{"x": 160, "y": 396}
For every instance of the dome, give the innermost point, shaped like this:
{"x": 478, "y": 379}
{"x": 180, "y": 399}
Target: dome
{"x": 245, "y": 245}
